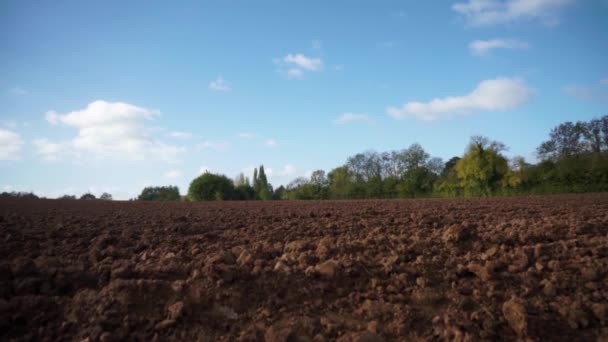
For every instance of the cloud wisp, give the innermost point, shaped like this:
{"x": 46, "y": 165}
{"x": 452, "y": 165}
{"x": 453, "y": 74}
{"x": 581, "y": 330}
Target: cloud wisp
{"x": 352, "y": 117}
{"x": 270, "y": 143}
{"x": 247, "y": 135}
{"x": 490, "y": 95}
{"x": 219, "y": 84}
{"x": 10, "y": 145}
{"x": 180, "y": 135}
{"x": 493, "y": 12}
{"x": 484, "y": 47}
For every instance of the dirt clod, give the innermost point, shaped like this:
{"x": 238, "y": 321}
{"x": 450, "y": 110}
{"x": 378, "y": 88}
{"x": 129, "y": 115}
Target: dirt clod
{"x": 328, "y": 268}
{"x": 281, "y": 266}
{"x": 514, "y": 312}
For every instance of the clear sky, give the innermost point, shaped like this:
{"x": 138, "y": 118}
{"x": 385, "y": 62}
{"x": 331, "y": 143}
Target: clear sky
{"x": 116, "y": 95}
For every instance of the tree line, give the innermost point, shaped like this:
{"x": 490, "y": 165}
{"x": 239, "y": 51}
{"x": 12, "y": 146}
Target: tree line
{"x": 30, "y": 195}
{"x": 573, "y": 159}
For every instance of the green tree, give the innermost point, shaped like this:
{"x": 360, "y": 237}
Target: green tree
{"x": 448, "y": 183}
{"x": 449, "y": 166}
{"x": 482, "y": 168}
{"x": 416, "y": 182}
{"x": 210, "y": 187}
{"x": 574, "y": 159}
{"x": 159, "y": 193}
{"x": 300, "y": 189}
{"x": 414, "y": 157}
{"x": 243, "y": 190}
{"x": 279, "y": 193}
{"x": 366, "y": 171}
{"x": 340, "y": 182}
{"x": 261, "y": 187}
{"x": 593, "y": 134}
{"x": 564, "y": 140}
{"x": 256, "y": 182}
{"x": 19, "y": 195}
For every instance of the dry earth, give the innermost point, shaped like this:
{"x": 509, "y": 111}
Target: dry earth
{"x": 463, "y": 269}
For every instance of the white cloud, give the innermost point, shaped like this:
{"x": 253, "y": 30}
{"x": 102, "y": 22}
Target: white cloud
{"x": 270, "y": 143}
{"x": 491, "y": 12}
{"x": 173, "y": 174}
{"x": 219, "y": 84}
{"x": 247, "y": 135}
{"x": 316, "y": 45}
{"x": 483, "y": 47}
{"x": 489, "y": 95}
{"x": 180, "y": 135}
{"x": 109, "y": 130}
{"x": 307, "y": 63}
{"x": 17, "y": 90}
{"x": 294, "y": 66}
{"x": 10, "y": 145}
{"x": 350, "y": 117}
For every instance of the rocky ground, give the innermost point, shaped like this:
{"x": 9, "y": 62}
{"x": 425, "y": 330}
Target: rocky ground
{"x": 457, "y": 269}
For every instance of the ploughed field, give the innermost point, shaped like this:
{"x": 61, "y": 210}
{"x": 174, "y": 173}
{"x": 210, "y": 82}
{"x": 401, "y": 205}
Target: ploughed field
{"x": 455, "y": 269}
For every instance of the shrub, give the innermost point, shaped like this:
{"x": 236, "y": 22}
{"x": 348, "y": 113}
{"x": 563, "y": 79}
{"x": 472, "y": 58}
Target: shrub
{"x": 210, "y": 187}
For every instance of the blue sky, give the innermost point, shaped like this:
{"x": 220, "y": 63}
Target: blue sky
{"x": 116, "y": 95}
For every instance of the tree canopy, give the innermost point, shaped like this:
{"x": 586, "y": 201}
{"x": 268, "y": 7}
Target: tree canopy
{"x": 211, "y": 187}
{"x": 159, "y": 193}
{"x": 88, "y": 196}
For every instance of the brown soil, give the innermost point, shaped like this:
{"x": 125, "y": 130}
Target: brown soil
{"x": 463, "y": 269}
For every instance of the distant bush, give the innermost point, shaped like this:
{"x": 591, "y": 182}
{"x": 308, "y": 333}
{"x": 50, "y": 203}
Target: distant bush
{"x": 211, "y": 187}
{"x": 19, "y": 195}
{"x": 67, "y": 197}
{"x": 159, "y": 193}
{"x": 88, "y": 196}
{"x": 106, "y": 196}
